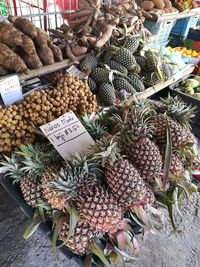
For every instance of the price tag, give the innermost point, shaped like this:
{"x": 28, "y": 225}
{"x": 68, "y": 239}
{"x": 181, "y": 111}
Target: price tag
{"x": 10, "y": 90}
{"x": 67, "y": 135}
{"x": 76, "y": 72}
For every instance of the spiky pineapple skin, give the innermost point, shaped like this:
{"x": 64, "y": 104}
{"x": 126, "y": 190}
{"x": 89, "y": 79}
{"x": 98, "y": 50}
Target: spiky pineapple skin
{"x": 48, "y": 193}
{"x": 145, "y": 155}
{"x": 31, "y": 191}
{"x": 82, "y": 238}
{"x": 131, "y": 43}
{"x": 116, "y": 66}
{"x": 125, "y": 183}
{"x": 151, "y": 79}
{"x": 179, "y": 135}
{"x": 136, "y": 82}
{"x": 106, "y": 93}
{"x": 125, "y": 58}
{"x": 88, "y": 63}
{"x": 123, "y": 84}
{"x": 141, "y": 62}
{"x": 92, "y": 85}
{"x": 99, "y": 208}
{"x": 100, "y": 75}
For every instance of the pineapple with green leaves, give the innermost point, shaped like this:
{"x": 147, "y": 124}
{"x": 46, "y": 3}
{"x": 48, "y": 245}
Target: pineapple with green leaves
{"x": 122, "y": 177}
{"x": 106, "y": 94}
{"x": 136, "y": 138}
{"x": 29, "y": 185}
{"x": 80, "y": 187}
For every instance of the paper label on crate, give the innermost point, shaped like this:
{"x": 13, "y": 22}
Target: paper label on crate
{"x": 10, "y": 90}
{"x": 76, "y": 72}
{"x": 68, "y": 135}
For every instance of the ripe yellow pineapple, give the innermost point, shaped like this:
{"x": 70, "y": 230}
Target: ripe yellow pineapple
{"x": 83, "y": 236}
{"x": 142, "y": 151}
{"x": 122, "y": 177}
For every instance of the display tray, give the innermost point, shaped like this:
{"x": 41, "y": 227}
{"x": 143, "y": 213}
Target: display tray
{"x": 46, "y": 228}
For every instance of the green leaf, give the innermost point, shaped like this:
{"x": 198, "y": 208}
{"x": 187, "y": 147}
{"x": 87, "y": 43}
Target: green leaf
{"x": 41, "y": 212}
{"x": 168, "y": 155}
{"x": 56, "y": 232}
{"x": 170, "y": 203}
{"x": 73, "y": 222}
{"x": 99, "y": 253}
{"x": 37, "y": 220}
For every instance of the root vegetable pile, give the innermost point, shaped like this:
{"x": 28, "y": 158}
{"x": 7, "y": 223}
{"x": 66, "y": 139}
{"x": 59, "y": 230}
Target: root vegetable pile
{"x": 96, "y": 23}
{"x": 40, "y": 107}
{"x": 23, "y": 46}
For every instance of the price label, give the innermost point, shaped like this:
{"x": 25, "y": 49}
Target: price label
{"x": 10, "y": 90}
{"x": 68, "y": 135}
{"x": 76, "y": 72}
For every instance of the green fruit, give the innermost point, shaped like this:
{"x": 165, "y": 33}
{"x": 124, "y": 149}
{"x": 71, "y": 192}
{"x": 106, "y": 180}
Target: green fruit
{"x": 196, "y": 95}
{"x": 188, "y": 90}
{"x": 197, "y": 89}
{"x": 190, "y": 83}
{"x": 197, "y": 78}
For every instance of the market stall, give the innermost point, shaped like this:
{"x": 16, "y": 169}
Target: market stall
{"x": 89, "y": 150}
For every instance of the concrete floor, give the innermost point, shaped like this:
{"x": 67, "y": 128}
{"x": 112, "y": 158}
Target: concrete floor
{"x": 166, "y": 249}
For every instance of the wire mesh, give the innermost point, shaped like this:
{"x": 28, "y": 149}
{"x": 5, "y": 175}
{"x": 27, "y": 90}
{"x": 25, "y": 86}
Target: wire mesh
{"x": 43, "y": 13}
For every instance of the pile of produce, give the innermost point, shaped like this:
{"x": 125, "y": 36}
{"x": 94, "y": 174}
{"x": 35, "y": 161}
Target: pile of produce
{"x": 18, "y": 121}
{"x": 24, "y": 46}
{"x": 142, "y": 156}
{"x": 123, "y": 69}
{"x": 185, "y": 4}
{"x": 153, "y": 9}
{"x": 97, "y": 23}
{"x": 188, "y": 52}
{"x": 190, "y": 86}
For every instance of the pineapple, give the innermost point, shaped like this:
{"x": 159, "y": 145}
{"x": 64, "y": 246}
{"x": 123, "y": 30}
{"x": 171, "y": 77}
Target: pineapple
{"x": 99, "y": 208}
{"x": 125, "y": 58}
{"x": 100, "y": 75}
{"x": 137, "y": 68}
{"x": 107, "y": 93}
{"x": 136, "y": 82}
{"x": 88, "y": 63}
{"x": 167, "y": 71}
{"x": 116, "y": 66}
{"x": 179, "y": 134}
{"x": 29, "y": 186}
{"x": 122, "y": 177}
{"x": 123, "y": 84}
{"x": 142, "y": 151}
{"x": 131, "y": 43}
{"x": 151, "y": 78}
{"x": 141, "y": 61}
{"x": 92, "y": 85}
{"x": 152, "y": 61}
{"x": 83, "y": 236}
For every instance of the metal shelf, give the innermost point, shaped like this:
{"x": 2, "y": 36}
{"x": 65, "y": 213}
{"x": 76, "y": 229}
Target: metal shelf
{"x": 158, "y": 87}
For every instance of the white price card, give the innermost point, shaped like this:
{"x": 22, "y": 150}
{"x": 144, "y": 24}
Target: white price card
{"x": 68, "y": 135}
{"x": 76, "y": 72}
{"x": 10, "y": 90}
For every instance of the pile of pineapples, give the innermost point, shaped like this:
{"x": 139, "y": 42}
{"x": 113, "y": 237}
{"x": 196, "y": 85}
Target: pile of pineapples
{"x": 140, "y": 163}
{"x": 124, "y": 69}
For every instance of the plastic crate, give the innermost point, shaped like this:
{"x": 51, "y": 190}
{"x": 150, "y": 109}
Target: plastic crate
{"x": 182, "y": 26}
{"x": 160, "y": 31}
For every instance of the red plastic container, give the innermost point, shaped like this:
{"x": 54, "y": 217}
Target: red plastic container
{"x": 67, "y": 5}
{"x": 196, "y": 174}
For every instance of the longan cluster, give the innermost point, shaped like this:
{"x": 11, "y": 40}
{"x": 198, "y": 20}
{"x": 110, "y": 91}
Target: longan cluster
{"x": 40, "y": 107}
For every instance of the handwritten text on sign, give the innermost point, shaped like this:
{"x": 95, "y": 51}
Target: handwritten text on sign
{"x": 10, "y": 90}
{"x": 67, "y": 135}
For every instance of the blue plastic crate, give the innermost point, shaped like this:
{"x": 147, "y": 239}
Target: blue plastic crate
{"x": 182, "y": 26}
{"x": 160, "y": 30}
{"x": 198, "y": 22}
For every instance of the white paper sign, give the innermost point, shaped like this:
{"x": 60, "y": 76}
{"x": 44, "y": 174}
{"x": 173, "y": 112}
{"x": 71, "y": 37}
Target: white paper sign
{"x": 10, "y": 90}
{"x": 68, "y": 135}
{"x": 76, "y": 72}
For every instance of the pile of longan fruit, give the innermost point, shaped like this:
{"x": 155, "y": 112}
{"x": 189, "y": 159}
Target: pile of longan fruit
{"x": 19, "y": 121}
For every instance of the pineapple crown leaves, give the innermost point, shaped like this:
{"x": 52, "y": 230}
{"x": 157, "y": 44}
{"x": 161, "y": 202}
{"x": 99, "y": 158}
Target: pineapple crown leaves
{"x": 95, "y": 128}
{"x": 178, "y": 110}
{"x": 106, "y": 151}
{"x": 13, "y": 166}
{"x": 71, "y": 177}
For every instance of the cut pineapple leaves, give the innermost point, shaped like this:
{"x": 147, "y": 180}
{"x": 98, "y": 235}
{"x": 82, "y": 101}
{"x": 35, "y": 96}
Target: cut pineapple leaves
{"x": 37, "y": 220}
